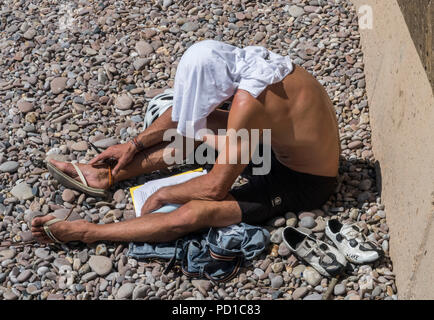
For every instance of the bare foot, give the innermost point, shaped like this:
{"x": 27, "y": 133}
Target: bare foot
{"x": 95, "y": 177}
{"x": 64, "y": 231}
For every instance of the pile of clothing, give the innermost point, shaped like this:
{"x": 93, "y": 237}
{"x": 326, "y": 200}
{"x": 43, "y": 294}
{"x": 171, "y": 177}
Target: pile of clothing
{"x": 217, "y": 254}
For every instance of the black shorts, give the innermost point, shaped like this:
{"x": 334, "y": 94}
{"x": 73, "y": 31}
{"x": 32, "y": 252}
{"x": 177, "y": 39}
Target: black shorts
{"x": 280, "y": 191}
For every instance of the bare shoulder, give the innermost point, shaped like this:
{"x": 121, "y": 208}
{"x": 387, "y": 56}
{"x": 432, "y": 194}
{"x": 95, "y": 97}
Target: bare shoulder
{"x": 243, "y": 100}
{"x": 246, "y": 110}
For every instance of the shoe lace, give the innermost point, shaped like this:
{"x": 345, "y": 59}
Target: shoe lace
{"x": 316, "y": 249}
{"x": 352, "y": 233}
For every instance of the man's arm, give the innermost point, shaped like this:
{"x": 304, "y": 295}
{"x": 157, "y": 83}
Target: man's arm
{"x": 125, "y": 152}
{"x": 244, "y": 114}
{"x": 155, "y": 132}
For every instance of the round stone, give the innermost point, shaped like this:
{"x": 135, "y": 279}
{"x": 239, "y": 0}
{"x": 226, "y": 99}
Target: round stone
{"x": 125, "y": 291}
{"x": 276, "y": 236}
{"x": 144, "y": 49}
{"x": 42, "y": 270}
{"x": 100, "y": 264}
{"x": 140, "y": 291}
{"x": 119, "y": 195}
{"x": 167, "y": 3}
{"x": 277, "y": 222}
{"x": 59, "y": 262}
{"x": 307, "y": 222}
{"x": 9, "y": 295}
{"x": 29, "y": 34}
{"x": 240, "y": 16}
{"x": 25, "y": 275}
{"x": 123, "y": 102}
{"x": 299, "y": 293}
{"x": 277, "y": 282}
{"x": 24, "y": 106}
{"x": 298, "y": 270}
{"x": 295, "y": 11}
{"x": 57, "y": 85}
{"x": 101, "y": 250}
{"x": 259, "y": 36}
{"x": 7, "y": 254}
{"x": 283, "y": 250}
{"x": 190, "y": 26}
{"x": 89, "y": 276}
{"x": 140, "y": 63}
{"x": 68, "y": 195}
{"x": 79, "y": 146}
{"x": 9, "y": 166}
{"x": 22, "y": 191}
{"x": 105, "y": 143}
{"x": 306, "y": 214}
{"x": 375, "y": 293}
{"x": 312, "y": 276}
{"x": 339, "y": 290}
{"x": 277, "y": 267}
{"x": 313, "y": 296}
{"x": 291, "y": 219}
{"x": 259, "y": 272}
{"x": 355, "y": 144}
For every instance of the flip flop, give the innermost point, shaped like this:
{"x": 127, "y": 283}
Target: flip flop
{"x": 48, "y": 231}
{"x": 82, "y": 186}
{"x": 46, "y": 227}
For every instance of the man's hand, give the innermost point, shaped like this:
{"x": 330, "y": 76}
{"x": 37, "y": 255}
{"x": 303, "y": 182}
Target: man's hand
{"x": 154, "y": 202}
{"x": 123, "y": 153}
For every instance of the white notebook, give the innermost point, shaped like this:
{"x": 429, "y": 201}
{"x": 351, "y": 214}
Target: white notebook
{"x": 141, "y": 193}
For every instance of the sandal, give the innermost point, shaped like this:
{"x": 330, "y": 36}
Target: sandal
{"x": 82, "y": 186}
{"x": 47, "y": 224}
{"x": 47, "y": 231}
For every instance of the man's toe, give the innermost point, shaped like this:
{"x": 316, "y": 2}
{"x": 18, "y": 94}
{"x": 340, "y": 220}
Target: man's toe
{"x": 36, "y": 222}
{"x": 62, "y": 166}
{"x": 39, "y": 221}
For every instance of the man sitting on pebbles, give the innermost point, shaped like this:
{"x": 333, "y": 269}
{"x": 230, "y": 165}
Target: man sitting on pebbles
{"x": 268, "y": 92}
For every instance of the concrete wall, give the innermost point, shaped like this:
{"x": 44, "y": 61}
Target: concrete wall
{"x": 402, "y": 118}
{"x": 419, "y": 15}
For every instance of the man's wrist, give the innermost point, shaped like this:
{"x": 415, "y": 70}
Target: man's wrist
{"x": 137, "y": 144}
{"x": 133, "y": 147}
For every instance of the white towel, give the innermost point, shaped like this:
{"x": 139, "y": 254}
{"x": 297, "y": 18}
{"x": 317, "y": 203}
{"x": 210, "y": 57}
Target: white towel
{"x": 210, "y": 72}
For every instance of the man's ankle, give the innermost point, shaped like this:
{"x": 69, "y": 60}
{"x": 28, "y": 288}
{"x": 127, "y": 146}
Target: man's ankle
{"x": 86, "y": 232}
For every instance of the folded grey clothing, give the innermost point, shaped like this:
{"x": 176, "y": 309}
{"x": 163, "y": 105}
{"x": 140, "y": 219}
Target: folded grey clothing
{"x": 217, "y": 254}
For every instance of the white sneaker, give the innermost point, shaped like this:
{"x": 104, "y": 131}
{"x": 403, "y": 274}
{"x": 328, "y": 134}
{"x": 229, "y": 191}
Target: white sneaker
{"x": 350, "y": 240}
{"x": 324, "y": 258}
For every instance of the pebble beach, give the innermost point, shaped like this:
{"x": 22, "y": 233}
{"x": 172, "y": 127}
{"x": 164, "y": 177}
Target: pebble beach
{"x": 74, "y": 72}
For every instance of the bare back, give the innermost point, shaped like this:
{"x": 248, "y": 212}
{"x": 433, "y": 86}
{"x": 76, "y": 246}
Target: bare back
{"x": 304, "y": 130}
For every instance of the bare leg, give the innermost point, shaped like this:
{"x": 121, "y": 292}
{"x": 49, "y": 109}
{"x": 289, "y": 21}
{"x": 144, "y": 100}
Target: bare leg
{"x": 145, "y": 162}
{"x": 156, "y": 227}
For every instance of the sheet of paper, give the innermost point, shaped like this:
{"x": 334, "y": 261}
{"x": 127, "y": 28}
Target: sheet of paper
{"x": 141, "y": 194}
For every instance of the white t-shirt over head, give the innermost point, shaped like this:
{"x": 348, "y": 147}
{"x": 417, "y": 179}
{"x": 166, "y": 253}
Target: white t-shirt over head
{"x": 210, "y": 72}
